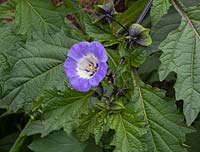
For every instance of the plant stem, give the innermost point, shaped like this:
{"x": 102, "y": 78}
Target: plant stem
{"x": 116, "y": 21}
{"x": 20, "y": 140}
{"x": 144, "y": 13}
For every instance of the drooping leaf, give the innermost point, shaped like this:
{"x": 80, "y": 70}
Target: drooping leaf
{"x": 38, "y": 15}
{"x": 181, "y": 55}
{"x": 58, "y": 141}
{"x": 129, "y": 128}
{"x": 166, "y": 128}
{"x": 34, "y": 67}
{"x": 159, "y": 8}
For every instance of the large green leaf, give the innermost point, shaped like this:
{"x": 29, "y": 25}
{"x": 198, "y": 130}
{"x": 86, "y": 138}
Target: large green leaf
{"x": 166, "y": 128}
{"x": 181, "y": 55}
{"x": 57, "y": 142}
{"x": 159, "y": 8}
{"x": 93, "y": 123}
{"x": 61, "y": 110}
{"x": 8, "y": 38}
{"x": 38, "y": 15}
{"x": 34, "y": 67}
{"x": 61, "y": 142}
{"x": 129, "y": 128}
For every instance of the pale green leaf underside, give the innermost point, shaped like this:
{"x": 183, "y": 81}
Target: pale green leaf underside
{"x": 38, "y": 15}
{"x": 181, "y": 54}
{"x": 159, "y": 8}
{"x": 166, "y": 128}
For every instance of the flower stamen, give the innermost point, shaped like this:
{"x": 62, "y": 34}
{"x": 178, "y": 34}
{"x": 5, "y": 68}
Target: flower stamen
{"x": 87, "y": 66}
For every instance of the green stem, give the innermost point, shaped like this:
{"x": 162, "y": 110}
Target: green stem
{"x": 20, "y": 140}
{"x": 116, "y": 21}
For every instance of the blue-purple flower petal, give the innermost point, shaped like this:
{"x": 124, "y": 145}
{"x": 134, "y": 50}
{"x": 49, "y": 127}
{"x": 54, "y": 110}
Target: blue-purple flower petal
{"x": 70, "y": 67}
{"x": 86, "y": 65}
{"x": 99, "y": 51}
{"x": 77, "y": 51}
{"x": 100, "y": 74}
{"x": 80, "y": 84}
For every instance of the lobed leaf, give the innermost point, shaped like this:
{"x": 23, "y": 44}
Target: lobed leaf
{"x": 34, "y": 67}
{"x": 166, "y": 128}
{"x": 38, "y": 15}
{"x": 62, "y": 110}
{"x": 181, "y": 55}
{"x": 129, "y": 128}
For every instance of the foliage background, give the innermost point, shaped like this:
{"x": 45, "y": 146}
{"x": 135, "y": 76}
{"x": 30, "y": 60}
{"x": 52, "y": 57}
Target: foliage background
{"x": 160, "y": 108}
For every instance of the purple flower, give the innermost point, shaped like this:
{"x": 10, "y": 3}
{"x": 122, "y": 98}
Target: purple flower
{"x": 86, "y": 65}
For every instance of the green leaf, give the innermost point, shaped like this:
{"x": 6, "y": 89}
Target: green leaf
{"x": 93, "y": 123}
{"x": 62, "y": 110}
{"x": 137, "y": 57}
{"x": 96, "y": 32}
{"x": 166, "y": 128}
{"x": 7, "y": 8}
{"x": 159, "y": 32}
{"x": 129, "y": 16}
{"x": 129, "y": 128}
{"x": 8, "y": 37}
{"x": 58, "y": 141}
{"x": 38, "y": 15}
{"x": 8, "y": 41}
{"x": 92, "y": 147}
{"x": 34, "y": 67}
{"x": 193, "y": 139}
{"x": 7, "y": 142}
{"x": 159, "y": 8}
{"x": 181, "y": 55}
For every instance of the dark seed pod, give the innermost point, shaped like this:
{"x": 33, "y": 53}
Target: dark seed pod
{"x": 106, "y": 12}
{"x": 138, "y": 34}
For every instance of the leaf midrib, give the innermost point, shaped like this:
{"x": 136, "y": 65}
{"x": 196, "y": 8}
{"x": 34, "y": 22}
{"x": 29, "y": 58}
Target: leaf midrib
{"x": 189, "y": 21}
{"x": 135, "y": 78}
{"x": 184, "y": 14}
{"x": 35, "y": 11}
{"x": 30, "y": 80}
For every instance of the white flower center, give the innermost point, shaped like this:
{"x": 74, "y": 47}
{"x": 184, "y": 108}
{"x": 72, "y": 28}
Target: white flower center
{"x": 87, "y": 66}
